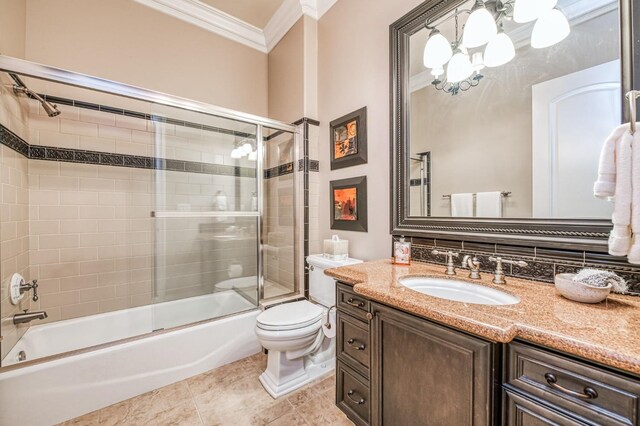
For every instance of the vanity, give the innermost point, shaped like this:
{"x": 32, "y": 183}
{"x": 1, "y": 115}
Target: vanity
{"x": 406, "y": 358}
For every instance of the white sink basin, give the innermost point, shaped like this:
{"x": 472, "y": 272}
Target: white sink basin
{"x": 458, "y": 291}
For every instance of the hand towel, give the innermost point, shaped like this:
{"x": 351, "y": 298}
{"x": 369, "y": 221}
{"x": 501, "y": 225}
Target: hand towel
{"x": 620, "y": 236}
{"x": 489, "y": 204}
{"x": 605, "y": 186}
{"x": 462, "y": 205}
{"x": 634, "y": 252}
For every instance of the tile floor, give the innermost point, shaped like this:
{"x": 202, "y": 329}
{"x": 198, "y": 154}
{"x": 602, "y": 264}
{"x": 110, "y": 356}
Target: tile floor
{"x": 229, "y": 395}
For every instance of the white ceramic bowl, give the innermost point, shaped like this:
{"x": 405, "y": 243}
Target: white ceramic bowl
{"x": 578, "y": 291}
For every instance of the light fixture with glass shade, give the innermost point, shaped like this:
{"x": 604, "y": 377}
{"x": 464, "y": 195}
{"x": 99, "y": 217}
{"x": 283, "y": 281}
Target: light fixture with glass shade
{"x": 438, "y": 50}
{"x": 499, "y": 51}
{"x": 462, "y": 59}
{"x": 480, "y": 27}
{"x": 550, "y": 29}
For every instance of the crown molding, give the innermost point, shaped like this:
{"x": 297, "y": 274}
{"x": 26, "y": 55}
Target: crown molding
{"x": 225, "y": 25}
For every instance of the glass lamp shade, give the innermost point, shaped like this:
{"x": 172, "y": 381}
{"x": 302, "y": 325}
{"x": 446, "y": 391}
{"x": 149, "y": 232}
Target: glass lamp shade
{"x": 479, "y": 29}
{"x": 530, "y": 10}
{"x": 551, "y": 28}
{"x": 437, "y": 72}
{"x": 499, "y": 51}
{"x": 236, "y": 154}
{"x": 477, "y": 61}
{"x": 437, "y": 51}
{"x": 459, "y": 67}
{"x": 246, "y": 149}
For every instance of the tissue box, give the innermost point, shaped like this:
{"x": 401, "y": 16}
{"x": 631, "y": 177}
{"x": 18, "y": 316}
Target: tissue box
{"x": 336, "y": 249}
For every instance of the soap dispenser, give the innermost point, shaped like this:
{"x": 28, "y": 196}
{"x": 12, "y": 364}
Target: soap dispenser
{"x": 401, "y": 252}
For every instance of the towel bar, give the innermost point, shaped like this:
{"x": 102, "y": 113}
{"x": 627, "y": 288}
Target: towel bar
{"x": 632, "y": 96}
{"x": 503, "y": 193}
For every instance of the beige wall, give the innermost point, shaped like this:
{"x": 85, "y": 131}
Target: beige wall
{"x": 12, "y": 27}
{"x": 353, "y": 45}
{"x": 286, "y": 76}
{"x": 124, "y": 41}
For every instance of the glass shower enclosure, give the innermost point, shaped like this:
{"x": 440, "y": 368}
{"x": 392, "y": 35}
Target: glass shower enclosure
{"x": 147, "y": 205}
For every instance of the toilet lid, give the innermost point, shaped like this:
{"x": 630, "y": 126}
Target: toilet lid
{"x": 290, "y": 316}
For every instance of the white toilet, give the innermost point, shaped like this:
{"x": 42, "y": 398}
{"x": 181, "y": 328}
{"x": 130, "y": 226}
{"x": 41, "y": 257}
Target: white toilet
{"x": 300, "y": 349}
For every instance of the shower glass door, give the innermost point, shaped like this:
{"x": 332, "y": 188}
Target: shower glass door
{"x": 206, "y": 217}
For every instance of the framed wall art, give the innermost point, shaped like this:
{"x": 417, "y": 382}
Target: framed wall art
{"x": 349, "y": 140}
{"x": 349, "y": 204}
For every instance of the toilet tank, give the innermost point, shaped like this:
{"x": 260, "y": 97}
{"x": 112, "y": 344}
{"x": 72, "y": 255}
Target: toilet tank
{"x": 322, "y": 288}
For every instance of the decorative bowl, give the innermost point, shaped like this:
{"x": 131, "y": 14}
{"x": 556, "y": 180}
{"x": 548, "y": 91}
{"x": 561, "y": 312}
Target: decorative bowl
{"x": 580, "y": 292}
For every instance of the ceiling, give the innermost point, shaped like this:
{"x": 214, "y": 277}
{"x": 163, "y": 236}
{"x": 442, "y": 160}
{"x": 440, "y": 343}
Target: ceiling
{"x": 254, "y": 12}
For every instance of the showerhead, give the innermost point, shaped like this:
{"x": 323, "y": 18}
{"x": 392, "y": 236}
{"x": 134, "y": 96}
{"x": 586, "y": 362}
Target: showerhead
{"x": 51, "y": 109}
{"x": 21, "y": 88}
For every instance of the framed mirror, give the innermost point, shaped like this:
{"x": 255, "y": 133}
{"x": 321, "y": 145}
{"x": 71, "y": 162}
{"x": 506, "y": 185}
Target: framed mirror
{"x": 499, "y": 111}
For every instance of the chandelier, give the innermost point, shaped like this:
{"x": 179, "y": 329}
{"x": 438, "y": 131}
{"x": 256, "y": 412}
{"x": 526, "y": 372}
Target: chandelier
{"x": 465, "y": 58}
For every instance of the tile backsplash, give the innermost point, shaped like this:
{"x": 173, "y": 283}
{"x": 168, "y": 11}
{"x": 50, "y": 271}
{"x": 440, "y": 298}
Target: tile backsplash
{"x": 542, "y": 264}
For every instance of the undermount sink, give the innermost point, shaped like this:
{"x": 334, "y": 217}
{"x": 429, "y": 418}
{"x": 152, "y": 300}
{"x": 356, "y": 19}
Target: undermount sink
{"x": 458, "y": 291}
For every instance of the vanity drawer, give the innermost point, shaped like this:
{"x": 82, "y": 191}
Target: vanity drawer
{"x": 350, "y": 302}
{"x": 593, "y": 395}
{"x": 352, "y": 394}
{"x": 521, "y": 411}
{"x": 353, "y": 342}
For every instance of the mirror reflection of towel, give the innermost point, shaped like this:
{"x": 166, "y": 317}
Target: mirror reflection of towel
{"x": 462, "y": 205}
{"x": 489, "y": 204}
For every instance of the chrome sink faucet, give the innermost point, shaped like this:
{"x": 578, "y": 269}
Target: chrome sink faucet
{"x": 498, "y": 277}
{"x": 451, "y": 268}
{"x": 473, "y": 264}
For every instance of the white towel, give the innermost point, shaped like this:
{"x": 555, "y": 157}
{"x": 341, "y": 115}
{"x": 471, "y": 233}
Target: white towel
{"x": 489, "y": 204}
{"x": 462, "y": 205}
{"x": 605, "y": 186}
{"x": 620, "y": 236}
{"x": 634, "y": 252}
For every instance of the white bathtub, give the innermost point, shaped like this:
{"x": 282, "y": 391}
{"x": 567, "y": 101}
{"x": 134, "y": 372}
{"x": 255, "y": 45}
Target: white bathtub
{"x": 60, "y": 389}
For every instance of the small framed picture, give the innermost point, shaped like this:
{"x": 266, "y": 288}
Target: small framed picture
{"x": 349, "y": 204}
{"x": 349, "y": 140}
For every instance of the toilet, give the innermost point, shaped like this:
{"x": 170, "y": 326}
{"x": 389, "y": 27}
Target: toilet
{"x": 300, "y": 349}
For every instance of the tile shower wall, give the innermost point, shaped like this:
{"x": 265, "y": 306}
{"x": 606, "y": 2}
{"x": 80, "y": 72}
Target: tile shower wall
{"x": 14, "y": 214}
{"x": 88, "y": 230}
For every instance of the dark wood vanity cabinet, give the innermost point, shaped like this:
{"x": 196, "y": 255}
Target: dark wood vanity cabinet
{"x": 398, "y": 369}
{"x": 394, "y": 368}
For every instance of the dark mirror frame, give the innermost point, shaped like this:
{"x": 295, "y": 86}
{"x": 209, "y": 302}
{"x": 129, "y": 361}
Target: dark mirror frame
{"x": 590, "y": 235}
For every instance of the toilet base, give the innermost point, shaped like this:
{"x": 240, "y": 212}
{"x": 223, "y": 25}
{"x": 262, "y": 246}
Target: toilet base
{"x": 307, "y": 373}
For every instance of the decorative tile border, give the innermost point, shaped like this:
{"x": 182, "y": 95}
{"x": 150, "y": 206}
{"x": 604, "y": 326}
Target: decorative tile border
{"x": 543, "y": 264}
{"x": 38, "y": 152}
{"x": 144, "y": 116}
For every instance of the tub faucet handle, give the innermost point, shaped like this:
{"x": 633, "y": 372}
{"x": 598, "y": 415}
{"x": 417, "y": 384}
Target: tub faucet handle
{"x": 33, "y": 285}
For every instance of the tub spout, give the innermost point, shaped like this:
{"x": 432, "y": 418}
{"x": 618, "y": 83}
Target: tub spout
{"x": 27, "y": 317}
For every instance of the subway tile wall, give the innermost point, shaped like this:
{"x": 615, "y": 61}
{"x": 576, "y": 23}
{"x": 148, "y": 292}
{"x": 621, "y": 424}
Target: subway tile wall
{"x": 14, "y": 213}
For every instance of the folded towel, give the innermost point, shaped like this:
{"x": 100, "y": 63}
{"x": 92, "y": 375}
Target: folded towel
{"x": 598, "y": 278}
{"x": 634, "y": 252}
{"x": 462, "y": 205}
{"x": 620, "y": 237}
{"x": 489, "y": 204}
{"x": 605, "y": 186}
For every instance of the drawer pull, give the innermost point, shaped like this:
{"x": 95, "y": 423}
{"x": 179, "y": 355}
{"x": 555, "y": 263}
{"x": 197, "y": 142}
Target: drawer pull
{"x": 359, "y": 401}
{"x": 359, "y": 304}
{"x": 589, "y": 393}
{"x": 359, "y": 347}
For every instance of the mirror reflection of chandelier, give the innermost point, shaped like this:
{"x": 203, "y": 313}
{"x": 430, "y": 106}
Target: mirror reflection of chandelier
{"x": 464, "y": 58}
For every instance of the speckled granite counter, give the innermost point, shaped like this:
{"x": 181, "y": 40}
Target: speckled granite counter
{"x": 607, "y": 333}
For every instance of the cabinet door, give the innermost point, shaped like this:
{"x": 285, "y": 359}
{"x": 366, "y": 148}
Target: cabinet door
{"x": 426, "y": 374}
{"x": 521, "y": 411}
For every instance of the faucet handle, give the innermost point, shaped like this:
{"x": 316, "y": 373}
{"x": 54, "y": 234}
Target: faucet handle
{"x": 451, "y": 269}
{"x": 498, "y": 277}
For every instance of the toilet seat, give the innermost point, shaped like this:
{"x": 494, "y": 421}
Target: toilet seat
{"x": 290, "y": 316}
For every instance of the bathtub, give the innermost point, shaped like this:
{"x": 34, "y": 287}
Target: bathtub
{"x": 65, "y": 387}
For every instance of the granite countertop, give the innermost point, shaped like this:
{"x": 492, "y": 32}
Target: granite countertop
{"x": 607, "y": 333}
